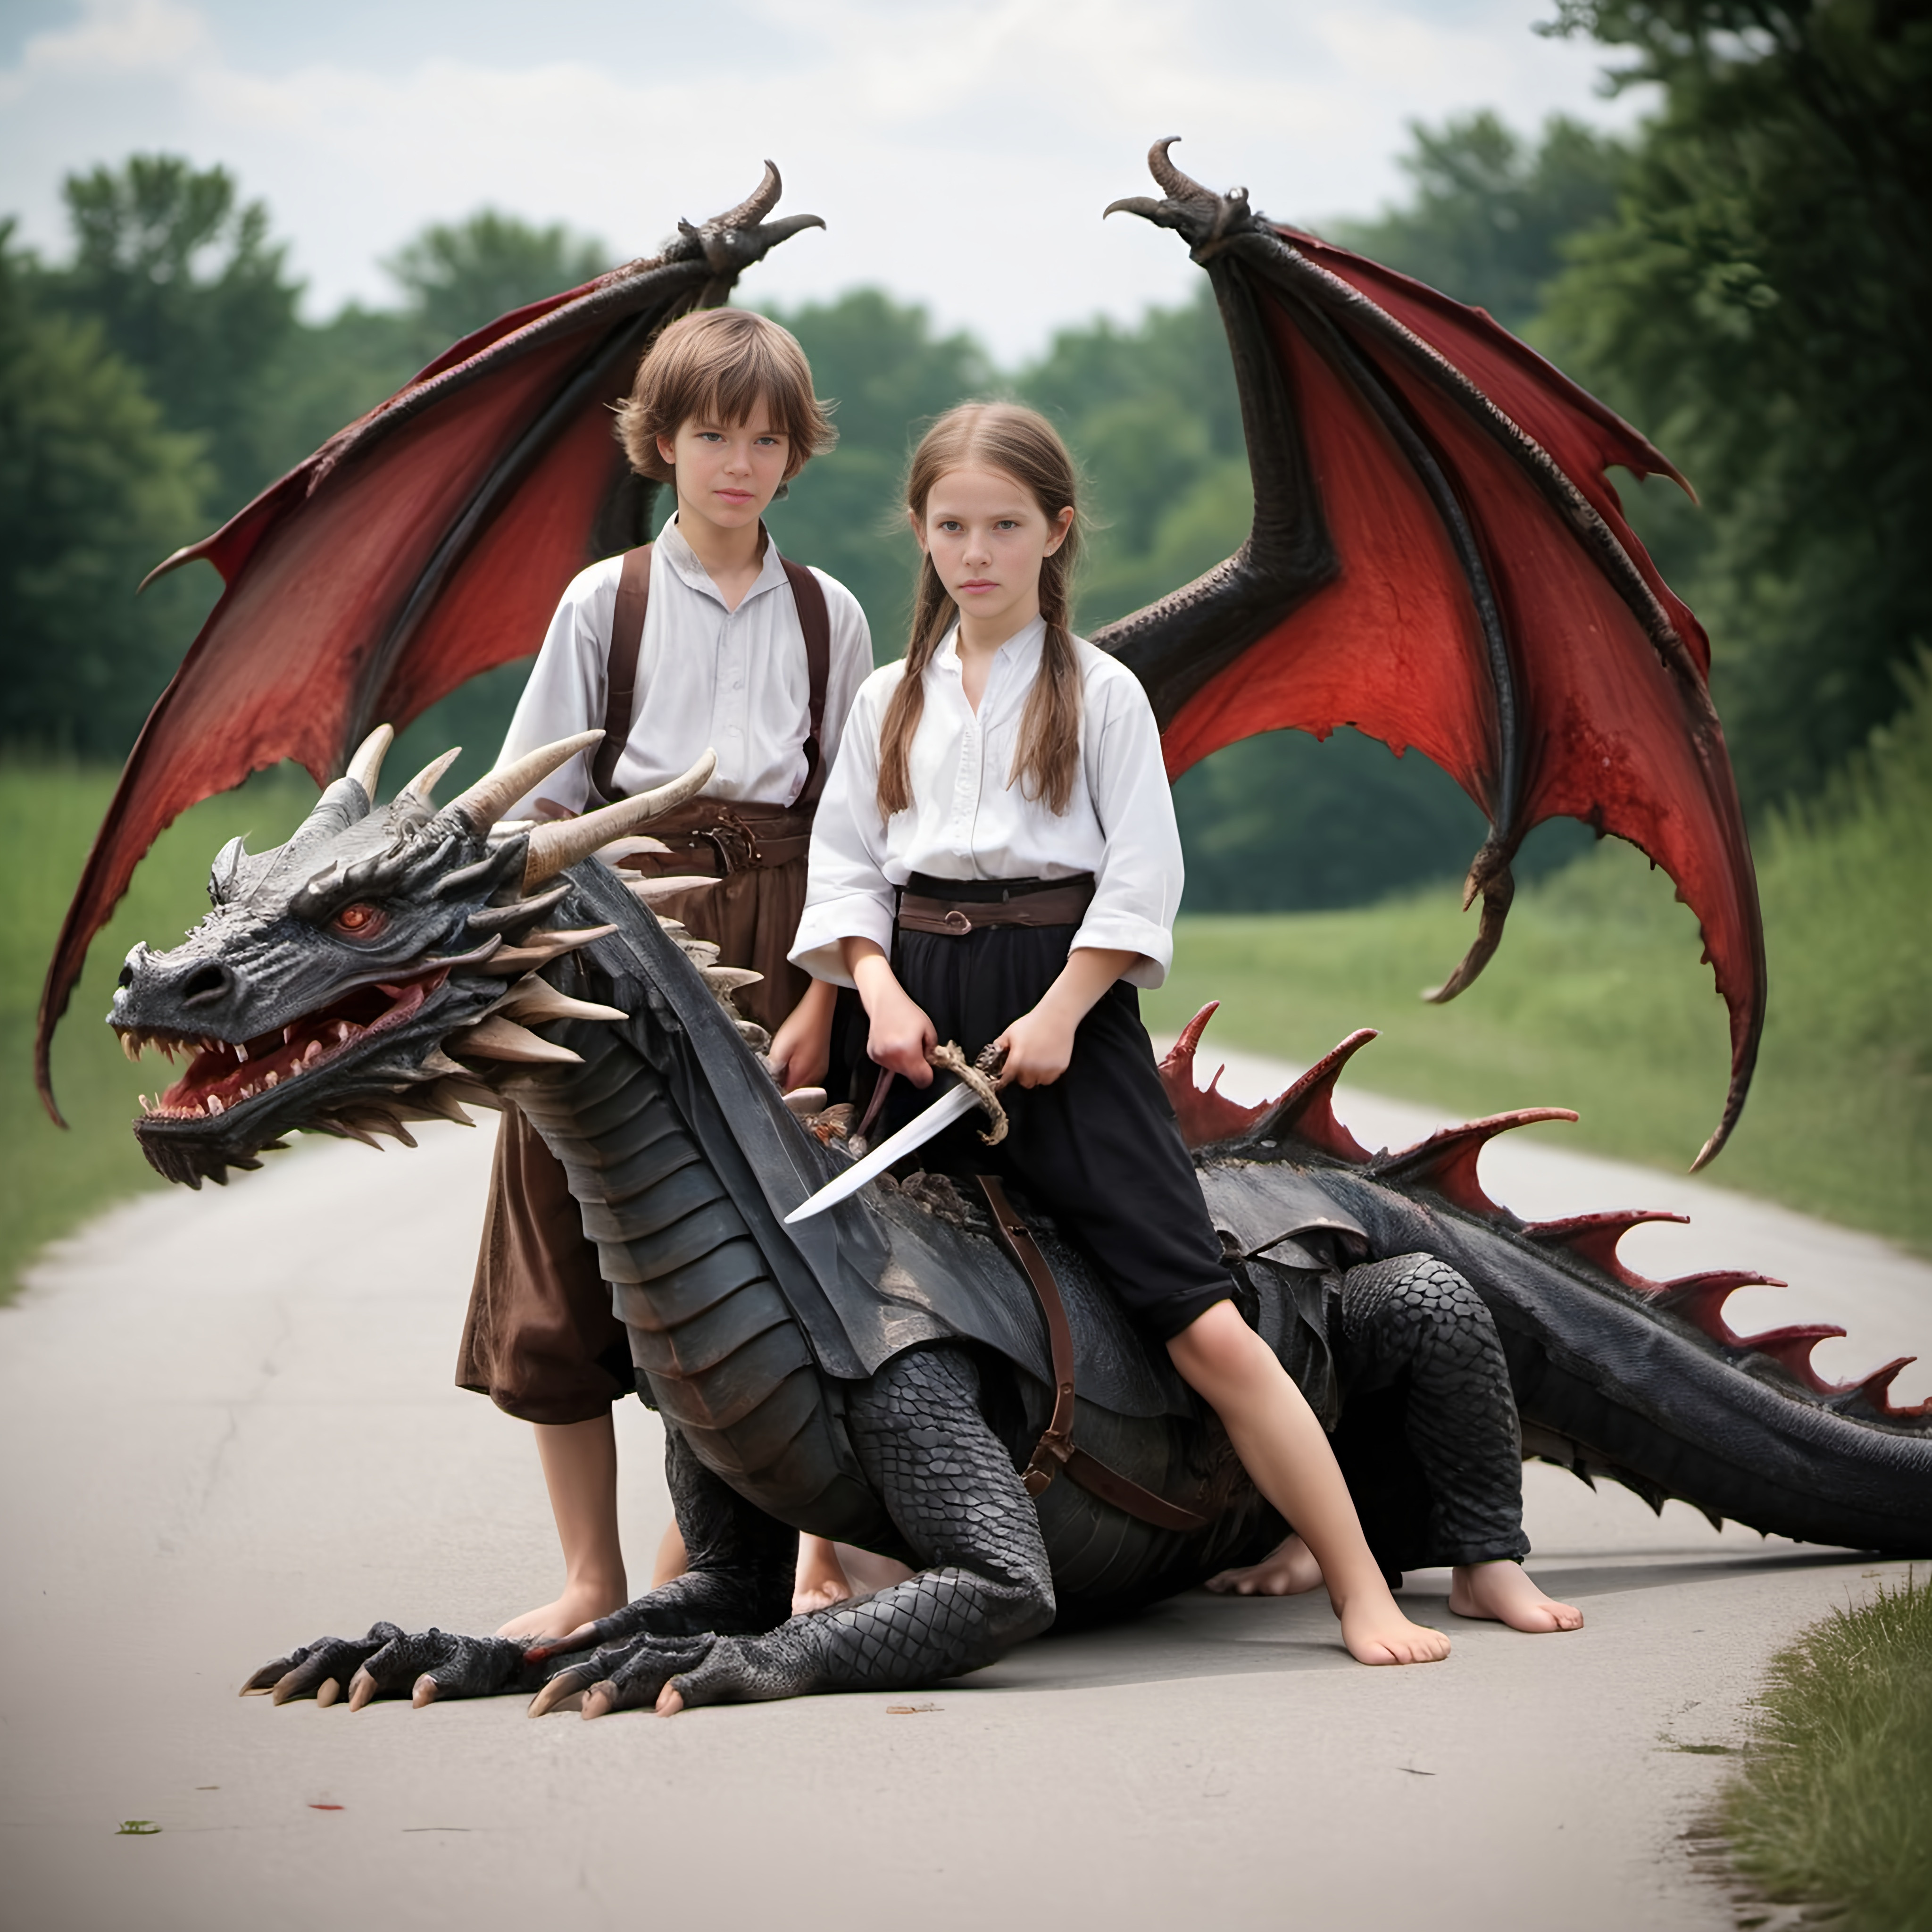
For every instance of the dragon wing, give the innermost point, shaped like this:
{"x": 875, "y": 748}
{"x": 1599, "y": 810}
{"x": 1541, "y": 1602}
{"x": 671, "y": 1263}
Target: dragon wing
{"x": 1439, "y": 559}
{"x": 426, "y": 542}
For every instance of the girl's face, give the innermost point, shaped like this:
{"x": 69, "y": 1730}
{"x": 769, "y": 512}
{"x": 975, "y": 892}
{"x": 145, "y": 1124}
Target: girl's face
{"x": 727, "y": 472}
{"x": 987, "y": 538}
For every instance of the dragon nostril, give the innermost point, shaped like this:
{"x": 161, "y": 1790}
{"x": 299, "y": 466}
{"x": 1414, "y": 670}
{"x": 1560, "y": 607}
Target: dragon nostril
{"x": 127, "y": 978}
{"x": 208, "y": 982}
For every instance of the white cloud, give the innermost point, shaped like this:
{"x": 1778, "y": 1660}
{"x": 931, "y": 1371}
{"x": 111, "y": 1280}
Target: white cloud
{"x": 961, "y": 152}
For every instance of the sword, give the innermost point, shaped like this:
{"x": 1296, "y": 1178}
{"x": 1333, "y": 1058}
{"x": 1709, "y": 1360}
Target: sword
{"x": 951, "y": 1105}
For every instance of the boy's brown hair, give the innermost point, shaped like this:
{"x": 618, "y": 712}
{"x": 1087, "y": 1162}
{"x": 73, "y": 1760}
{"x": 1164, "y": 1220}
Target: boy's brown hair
{"x": 722, "y": 364}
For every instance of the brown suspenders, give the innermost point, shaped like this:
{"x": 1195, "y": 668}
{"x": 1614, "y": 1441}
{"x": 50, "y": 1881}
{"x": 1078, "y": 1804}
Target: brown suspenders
{"x": 627, "y": 638}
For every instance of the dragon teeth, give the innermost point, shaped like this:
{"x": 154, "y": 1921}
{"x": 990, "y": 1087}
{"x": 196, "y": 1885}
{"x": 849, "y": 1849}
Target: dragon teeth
{"x": 213, "y": 1105}
{"x": 241, "y": 1050}
{"x": 269, "y": 1079}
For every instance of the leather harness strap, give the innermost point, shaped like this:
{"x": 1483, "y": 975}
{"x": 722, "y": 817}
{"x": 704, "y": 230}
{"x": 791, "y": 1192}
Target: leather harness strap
{"x": 627, "y": 639}
{"x": 1057, "y": 1450}
{"x": 620, "y": 667}
{"x": 815, "y": 621}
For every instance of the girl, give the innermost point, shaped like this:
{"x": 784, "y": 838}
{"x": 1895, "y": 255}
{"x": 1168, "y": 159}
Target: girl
{"x": 1001, "y": 801}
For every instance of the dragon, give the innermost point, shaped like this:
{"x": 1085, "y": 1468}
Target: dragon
{"x": 1437, "y": 557}
{"x": 878, "y": 1375}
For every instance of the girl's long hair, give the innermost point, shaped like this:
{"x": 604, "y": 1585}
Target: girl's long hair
{"x": 1025, "y": 445}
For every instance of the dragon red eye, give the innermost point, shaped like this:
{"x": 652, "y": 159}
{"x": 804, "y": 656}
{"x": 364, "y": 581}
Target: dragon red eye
{"x": 359, "y": 921}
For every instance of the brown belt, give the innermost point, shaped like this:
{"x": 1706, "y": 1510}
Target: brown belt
{"x": 713, "y": 838}
{"x": 954, "y": 918}
{"x": 1057, "y": 1447}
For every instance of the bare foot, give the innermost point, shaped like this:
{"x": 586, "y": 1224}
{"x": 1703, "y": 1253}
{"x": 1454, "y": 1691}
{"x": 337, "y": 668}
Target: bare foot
{"x": 1504, "y": 1592}
{"x": 580, "y": 1603}
{"x": 821, "y": 1580}
{"x": 1286, "y": 1570}
{"x": 1376, "y": 1632}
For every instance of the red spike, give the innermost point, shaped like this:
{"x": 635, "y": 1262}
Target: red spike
{"x": 1446, "y": 1162}
{"x": 1791, "y": 1349}
{"x": 1872, "y": 1396}
{"x": 1700, "y": 1299}
{"x": 1594, "y": 1237}
{"x": 1205, "y": 1114}
{"x": 1307, "y": 1109}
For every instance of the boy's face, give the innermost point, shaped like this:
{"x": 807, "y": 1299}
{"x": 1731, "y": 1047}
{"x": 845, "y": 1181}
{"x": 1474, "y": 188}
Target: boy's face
{"x": 727, "y": 472}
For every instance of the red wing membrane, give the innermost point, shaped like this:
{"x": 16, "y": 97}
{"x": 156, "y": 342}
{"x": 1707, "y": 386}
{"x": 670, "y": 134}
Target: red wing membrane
{"x": 424, "y": 544}
{"x": 1439, "y": 560}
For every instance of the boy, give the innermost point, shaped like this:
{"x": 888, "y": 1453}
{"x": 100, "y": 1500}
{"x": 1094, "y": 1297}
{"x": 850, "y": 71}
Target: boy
{"x": 706, "y": 638}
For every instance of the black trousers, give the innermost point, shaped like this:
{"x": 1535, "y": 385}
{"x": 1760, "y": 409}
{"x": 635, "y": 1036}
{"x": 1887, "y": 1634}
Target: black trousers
{"x": 1099, "y": 1149}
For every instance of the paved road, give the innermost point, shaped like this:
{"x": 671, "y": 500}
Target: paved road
{"x": 228, "y": 1426}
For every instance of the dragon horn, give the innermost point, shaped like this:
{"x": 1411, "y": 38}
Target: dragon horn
{"x": 553, "y": 846}
{"x": 422, "y": 788}
{"x": 756, "y": 205}
{"x": 1176, "y": 186}
{"x": 493, "y": 794}
{"x": 366, "y": 767}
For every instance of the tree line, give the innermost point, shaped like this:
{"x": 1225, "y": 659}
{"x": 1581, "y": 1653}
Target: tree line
{"x": 1744, "y": 278}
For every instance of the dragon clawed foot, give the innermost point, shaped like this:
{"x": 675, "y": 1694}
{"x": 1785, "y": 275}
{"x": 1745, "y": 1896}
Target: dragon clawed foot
{"x": 389, "y": 1661}
{"x": 635, "y": 1673}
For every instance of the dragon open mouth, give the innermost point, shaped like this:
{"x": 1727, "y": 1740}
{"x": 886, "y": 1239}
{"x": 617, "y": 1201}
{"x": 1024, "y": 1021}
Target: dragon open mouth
{"x": 226, "y": 1074}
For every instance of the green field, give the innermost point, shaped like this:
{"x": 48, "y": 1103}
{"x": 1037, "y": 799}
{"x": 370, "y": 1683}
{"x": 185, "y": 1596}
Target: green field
{"x": 1832, "y": 1802}
{"x": 1596, "y": 1000}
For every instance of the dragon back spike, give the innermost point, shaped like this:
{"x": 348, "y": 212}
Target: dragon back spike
{"x": 1595, "y": 1237}
{"x": 1700, "y": 1299}
{"x": 1205, "y": 1115}
{"x": 1307, "y": 1109}
{"x": 1446, "y": 1162}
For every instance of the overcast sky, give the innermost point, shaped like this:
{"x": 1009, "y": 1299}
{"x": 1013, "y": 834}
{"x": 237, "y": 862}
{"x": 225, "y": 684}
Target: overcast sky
{"x": 961, "y": 153}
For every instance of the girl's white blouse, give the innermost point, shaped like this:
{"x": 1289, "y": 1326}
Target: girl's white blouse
{"x": 966, "y": 821}
{"x": 735, "y": 680}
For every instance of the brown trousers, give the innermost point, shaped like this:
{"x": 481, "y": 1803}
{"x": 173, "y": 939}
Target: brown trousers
{"x": 540, "y": 1340}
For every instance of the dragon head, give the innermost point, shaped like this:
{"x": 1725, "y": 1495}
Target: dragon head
{"x": 335, "y": 978}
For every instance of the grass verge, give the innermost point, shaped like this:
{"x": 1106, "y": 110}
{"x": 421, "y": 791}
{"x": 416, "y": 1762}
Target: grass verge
{"x": 51, "y": 1181}
{"x": 1833, "y": 1801}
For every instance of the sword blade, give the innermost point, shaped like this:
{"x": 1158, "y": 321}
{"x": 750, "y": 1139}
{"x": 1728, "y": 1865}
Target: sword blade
{"x": 950, "y": 1106}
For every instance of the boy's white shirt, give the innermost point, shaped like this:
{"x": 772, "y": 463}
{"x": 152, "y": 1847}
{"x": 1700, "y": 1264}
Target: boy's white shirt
{"x": 967, "y": 822}
{"x": 734, "y": 680}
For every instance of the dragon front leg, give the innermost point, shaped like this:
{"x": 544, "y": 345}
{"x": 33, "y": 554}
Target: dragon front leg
{"x": 952, "y": 1490}
{"x": 427, "y": 1664}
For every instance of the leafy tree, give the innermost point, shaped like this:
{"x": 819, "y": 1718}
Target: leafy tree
{"x": 1492, "y": 214}
{"x": 889, "y": 375}
{"x": 94, "y": 490}
{"x": 188, "y": 289}
{"x": 457, "y": 276}
{"x": 1762, "y": 304}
